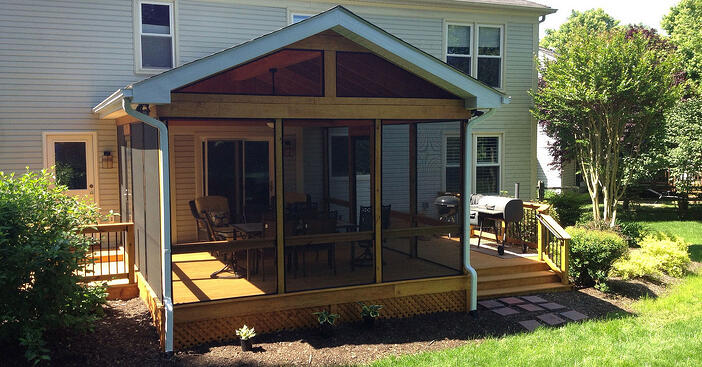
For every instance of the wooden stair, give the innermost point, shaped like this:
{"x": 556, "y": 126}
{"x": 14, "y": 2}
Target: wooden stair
{"x": 513, "y": 280}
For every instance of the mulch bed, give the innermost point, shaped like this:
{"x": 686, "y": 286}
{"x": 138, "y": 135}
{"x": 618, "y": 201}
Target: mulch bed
{"x": 126, "y": 337}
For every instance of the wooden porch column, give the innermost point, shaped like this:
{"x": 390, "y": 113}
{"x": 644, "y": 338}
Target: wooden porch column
{"x": 279, "y": 206}
{"x": 352, "y": 177}
{"x": 329, "y": 73}
{"x": 413, "y": 185}
{"x": 377, "y": 140}
{"x": 325, "y": 168}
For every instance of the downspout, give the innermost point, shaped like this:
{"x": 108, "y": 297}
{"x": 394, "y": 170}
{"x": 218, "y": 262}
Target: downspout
{"x": 165, "y": 186}
{"x": 467, "y": 190}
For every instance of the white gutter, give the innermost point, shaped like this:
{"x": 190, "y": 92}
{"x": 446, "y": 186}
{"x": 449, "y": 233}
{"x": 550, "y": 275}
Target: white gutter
{"x": 164, "y": 183}
{"x": 467, "y": 190}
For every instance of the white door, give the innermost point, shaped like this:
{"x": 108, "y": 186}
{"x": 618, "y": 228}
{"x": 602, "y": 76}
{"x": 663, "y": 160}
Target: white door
{"x": 74, "y": 160}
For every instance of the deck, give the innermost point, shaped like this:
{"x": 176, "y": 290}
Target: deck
{"x": 497, "y": 275}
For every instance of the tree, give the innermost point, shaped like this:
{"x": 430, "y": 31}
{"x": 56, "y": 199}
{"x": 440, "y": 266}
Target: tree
{"x": 601, "y": 101}
{"x": 684, "y": 143}
{"x": 683, "y": 25}
{"x": 595, "y": 20}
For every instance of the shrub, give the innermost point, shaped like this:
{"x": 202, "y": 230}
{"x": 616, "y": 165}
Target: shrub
{"x": 592, "y": 253}
{"x": 633, "y": 232}
{"x": 41, "y": 253}
{"x": 659, "y": 254}
{"x": 567, "y": 205}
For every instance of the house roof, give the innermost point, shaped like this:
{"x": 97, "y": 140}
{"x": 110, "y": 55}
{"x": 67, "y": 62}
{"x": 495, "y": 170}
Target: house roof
{"x": 157, "y": 89}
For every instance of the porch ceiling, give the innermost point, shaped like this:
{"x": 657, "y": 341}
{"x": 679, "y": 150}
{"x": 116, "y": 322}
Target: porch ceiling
{"x": 157, "y": 89}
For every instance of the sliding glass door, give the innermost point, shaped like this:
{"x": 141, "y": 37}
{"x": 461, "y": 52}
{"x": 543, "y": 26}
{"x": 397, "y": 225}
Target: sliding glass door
{"x": 239, "y": 170}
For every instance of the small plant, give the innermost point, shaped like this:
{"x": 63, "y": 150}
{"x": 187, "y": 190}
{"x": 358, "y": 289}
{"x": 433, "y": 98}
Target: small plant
{"x": 326, "y": 322}
{"x": 325, "y": 317}
{"x": 370, "y": 313}
{"x": 245, "y": 334}
{"x": 370, "y": 310}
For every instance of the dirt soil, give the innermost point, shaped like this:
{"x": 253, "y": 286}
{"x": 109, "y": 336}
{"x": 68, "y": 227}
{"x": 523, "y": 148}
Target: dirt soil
{"x": 126, "y": 337}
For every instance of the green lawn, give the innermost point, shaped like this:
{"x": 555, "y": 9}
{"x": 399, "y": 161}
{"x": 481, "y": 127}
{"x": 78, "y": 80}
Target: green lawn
{"x": 664, "y": 332}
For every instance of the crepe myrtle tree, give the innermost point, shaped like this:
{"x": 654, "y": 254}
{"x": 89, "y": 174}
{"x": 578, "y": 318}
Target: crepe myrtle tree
{"x": 602, "y": 102}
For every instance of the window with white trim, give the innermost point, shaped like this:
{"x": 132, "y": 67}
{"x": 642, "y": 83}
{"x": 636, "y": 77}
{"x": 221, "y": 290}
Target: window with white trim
{"x": 452, "y": 163}
{"x": 487, "y": 164}
{"x": 489, "y": 55}
{"x": 458, "y": 47}
{"x": 299, "y": 17}
{"x": 156, "y": 49}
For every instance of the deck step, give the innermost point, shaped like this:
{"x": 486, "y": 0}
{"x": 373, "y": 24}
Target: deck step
{"x": 510, "y": 269}
{"x": 528, "y": 289}
{"x": 511, "y": 280}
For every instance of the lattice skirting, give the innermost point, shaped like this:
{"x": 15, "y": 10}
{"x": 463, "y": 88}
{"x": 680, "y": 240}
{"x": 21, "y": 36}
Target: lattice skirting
{"x": 148, "y": 296}
{"x": 223, "y": 329}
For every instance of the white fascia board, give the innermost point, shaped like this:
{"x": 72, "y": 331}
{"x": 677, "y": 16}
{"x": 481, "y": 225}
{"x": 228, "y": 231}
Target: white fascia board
{"x": 157, "y": 89}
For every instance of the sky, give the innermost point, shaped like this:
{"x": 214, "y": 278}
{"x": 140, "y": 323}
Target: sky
{"x": 648, "y": 12}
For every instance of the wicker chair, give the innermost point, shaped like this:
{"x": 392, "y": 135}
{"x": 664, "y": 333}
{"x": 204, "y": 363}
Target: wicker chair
{"x": 215, "y": 212}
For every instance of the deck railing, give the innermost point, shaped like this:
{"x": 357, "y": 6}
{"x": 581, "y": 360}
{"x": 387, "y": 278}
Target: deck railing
{"x": 111, "y": 254}
{"x": 553, "y": 245}
{"x": 526, "y": 233}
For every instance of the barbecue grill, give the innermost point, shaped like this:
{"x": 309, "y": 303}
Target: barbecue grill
{"x": 447, "y": 206}
{"x": 496, "y": 209}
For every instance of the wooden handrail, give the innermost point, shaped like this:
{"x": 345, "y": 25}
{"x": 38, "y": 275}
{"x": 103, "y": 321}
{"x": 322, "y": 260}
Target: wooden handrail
{"x": 547, "y": 223}
{"x": 106, "y": 227}
{"x": 129, "y": 251}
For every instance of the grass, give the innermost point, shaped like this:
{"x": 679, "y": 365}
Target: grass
{"x": 663, "y": 332}
{"x": 666, "y": 331}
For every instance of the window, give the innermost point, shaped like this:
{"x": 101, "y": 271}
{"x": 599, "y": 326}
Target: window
{"x": 155, "y": 43}
{"x": 452, "y": 164}
{"x": 483, "y": 62}
{"x": 490, "y": 55}
{"x": 298, "y": 17}
{"x": 339, "y": 148}
{"x": 487, "y": 164}
{"x": 458, "y": 47}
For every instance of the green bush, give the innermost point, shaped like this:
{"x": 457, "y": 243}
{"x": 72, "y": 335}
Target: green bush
{"x": 633, "y": 232}
{"x": 41, "y": 253}
{"x": 567, "y": 205}
{"x": 659, "y": 254}
{"x": 592, "y": 253}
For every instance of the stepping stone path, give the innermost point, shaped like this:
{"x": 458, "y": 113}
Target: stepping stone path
{"x": 552, "y": 306}
{"x": 530, "y": 324}
{"x": 510, "y": 306}
{"x": 505, "y": 311}
{"x": 530, "y": 307}
{"x": 550, "y": 319}
{"x": 574, "y": 315}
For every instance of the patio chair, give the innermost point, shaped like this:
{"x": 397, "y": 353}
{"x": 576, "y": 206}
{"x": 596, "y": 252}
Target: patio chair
{"x": 215, "y": 211}
{"x": 666, "y": 195}
{"x": 200, "y": 221}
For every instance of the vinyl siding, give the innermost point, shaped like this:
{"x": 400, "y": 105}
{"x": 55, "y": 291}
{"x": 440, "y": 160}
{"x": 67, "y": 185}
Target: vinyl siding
{"x": 57, "y": 60}
{"x": 60, "y": 58}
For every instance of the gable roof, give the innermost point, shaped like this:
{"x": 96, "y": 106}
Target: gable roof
{"x": 157, "y": 89}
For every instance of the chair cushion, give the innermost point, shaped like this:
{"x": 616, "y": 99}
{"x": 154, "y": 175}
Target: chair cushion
{"x": 218, "y": 218}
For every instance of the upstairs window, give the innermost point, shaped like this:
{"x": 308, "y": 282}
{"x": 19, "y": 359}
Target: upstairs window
{"x": 155, "y": 45}
{"x": 477, "y": 51}
{"x": 458, "y": 47}
{"x": 490, "y": 55}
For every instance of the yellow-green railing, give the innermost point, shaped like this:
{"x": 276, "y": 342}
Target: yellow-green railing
{"x": 553, "y": 245}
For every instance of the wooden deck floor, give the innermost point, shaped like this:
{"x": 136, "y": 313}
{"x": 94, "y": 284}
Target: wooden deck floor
{"x": 192, "y": 281}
